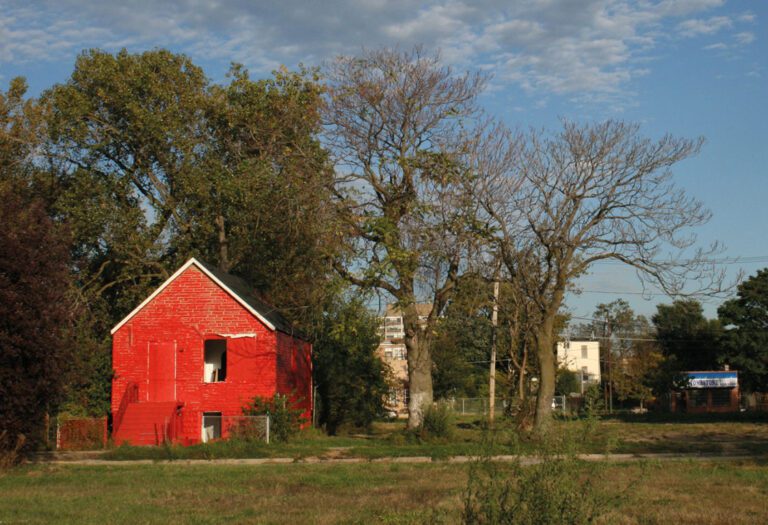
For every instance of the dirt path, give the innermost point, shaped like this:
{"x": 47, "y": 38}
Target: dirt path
{"x": 73, "y": 459}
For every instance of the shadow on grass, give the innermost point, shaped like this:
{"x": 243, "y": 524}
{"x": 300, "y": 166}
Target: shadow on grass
{"x": 666, "y": 417}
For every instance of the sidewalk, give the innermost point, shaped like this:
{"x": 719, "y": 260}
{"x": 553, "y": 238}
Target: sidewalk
{"x": 71, "y": 458}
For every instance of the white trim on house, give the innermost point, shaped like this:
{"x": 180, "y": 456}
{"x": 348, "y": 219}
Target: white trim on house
{"x": 212, "y": 277}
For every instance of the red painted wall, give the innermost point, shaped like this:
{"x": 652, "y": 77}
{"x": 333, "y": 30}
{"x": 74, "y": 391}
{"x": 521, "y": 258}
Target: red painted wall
{"x": 294, "y": 371}
{"x": 167, "y": 337}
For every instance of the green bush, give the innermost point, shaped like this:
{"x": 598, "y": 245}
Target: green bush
{"x": 551, "y": 487}
{"x": 438, "y": 421}
{"x": 593, "y": 401}
{"x": 285, "y": 419}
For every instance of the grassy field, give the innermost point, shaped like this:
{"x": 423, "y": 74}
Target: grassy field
{"x": 669, "y": 492}
{"x": 735, "y": 435}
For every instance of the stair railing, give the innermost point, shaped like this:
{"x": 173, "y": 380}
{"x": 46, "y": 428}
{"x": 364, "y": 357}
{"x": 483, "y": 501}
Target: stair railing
{"x": 131, "y": 395}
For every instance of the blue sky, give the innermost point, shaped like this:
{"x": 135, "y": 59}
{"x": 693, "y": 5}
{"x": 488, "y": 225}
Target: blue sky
{"x": 687, "y": 67}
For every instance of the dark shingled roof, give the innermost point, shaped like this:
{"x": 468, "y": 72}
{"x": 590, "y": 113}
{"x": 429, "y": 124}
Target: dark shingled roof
{"x": 245, "y": 292}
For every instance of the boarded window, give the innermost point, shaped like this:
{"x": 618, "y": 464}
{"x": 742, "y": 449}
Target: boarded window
{"x": 584, "y": 352}
{"x": 215, "y": 367}
{"x": 211, "y": 426}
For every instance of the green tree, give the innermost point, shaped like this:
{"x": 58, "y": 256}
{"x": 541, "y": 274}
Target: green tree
{"x": 351, "y": 379}
{"x": 745, "y": 337}
{"x": 686, "y": 337}
{"x": 628, "y": 357}
{"x": 158, "y": 164}
{"x": 150, "y": 163}
{"x": 567, "y": 382}
{"x": 461, "y": 348}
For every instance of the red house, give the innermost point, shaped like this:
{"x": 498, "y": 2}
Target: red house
{"x": 190, "y": 356}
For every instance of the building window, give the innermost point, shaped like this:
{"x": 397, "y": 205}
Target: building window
{"x": 211, "y": 426}
{"x": 215, "y": 367}
{"x": 388, "y": 353}
{"x": 398, "y": 352}
{"x": 697, "y": 398}
{"x": 584, "y": 352}
{"x": 721, "y": 397}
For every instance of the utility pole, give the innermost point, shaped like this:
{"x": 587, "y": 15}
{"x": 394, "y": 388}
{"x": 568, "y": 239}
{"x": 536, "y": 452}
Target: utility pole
{"x": 609, "y": 355}
{"x": 492, "y": 375}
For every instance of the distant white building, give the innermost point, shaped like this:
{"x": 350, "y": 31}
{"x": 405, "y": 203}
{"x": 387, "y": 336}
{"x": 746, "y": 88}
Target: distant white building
{"x": 582, "y": 357}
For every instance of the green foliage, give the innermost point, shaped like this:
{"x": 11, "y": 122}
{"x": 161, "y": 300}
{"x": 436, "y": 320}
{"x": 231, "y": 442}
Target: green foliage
{"x": 567, "y": 382}
{"x": 682, "y": 331}
{"x": 593, "y": 401}
{"x": 745, "y": 340}
{"x": 350, "y": 377}
{"x": 149, "y": 163}
{"x": 439, "y": 421}
{"x": 285, "y": 419}
{"x": 463, "y": 343}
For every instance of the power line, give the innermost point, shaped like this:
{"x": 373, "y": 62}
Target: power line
{"x": 753, "y": 259}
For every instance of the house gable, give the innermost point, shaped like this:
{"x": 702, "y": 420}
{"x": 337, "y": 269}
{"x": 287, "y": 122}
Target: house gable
{"x": 216, "y": 279}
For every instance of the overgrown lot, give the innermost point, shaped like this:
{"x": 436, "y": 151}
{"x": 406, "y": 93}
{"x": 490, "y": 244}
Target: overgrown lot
{"x": 668, "y": 492}
{"x": 726, "y": 435}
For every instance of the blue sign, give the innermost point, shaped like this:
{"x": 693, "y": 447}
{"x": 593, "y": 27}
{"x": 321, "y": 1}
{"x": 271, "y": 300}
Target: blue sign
{"x": 713, "y": 379}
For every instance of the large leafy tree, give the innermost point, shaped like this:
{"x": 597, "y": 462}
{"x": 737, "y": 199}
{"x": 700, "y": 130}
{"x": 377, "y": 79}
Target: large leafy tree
{"x": 687, "y": 339}
{"x": 745, "y": 338}
{"x": 149, "y": 163}
{"x": 157, "y": 164}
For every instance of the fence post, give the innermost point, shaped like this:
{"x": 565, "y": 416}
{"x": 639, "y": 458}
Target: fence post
{"x": 462, "y": 406}
{"x": 267, "y": 429}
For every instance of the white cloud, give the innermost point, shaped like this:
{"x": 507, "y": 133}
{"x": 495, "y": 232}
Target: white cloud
{"x": 590, "y": 47}
{"x": 695, "y": 27}
{"x": 744, "y": 38}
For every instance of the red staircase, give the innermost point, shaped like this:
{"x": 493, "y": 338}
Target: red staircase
{"x": 148, "y": 423}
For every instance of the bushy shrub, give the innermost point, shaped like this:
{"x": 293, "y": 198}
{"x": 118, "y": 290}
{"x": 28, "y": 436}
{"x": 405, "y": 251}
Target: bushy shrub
{"x": 438, "y": 421}
{"x": 285, "y": 419}
{"x": 593, "y": 401}
{"x": 550, "y": 487}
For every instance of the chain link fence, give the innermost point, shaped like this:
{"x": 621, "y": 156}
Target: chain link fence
{"x": 475, "y": 405}
{"x": 81, "y": 433}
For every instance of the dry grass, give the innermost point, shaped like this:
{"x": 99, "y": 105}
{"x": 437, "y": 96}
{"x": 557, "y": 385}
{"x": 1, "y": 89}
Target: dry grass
{"x": 669, "y": 492}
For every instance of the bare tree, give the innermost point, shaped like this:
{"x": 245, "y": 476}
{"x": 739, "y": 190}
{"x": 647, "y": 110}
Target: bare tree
{"x": 591, "y": 193}
{"x": 400, "y": 126}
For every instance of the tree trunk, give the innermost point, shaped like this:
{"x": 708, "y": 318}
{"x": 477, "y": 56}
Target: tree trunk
{"x": 419, "y": 369}
{"x": 223, "y": 244}
{"x": 521, "y": 381}
{"x": 546, "y": 357}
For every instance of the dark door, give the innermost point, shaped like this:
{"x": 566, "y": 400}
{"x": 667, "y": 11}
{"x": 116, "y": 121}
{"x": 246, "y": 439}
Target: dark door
{"x": 162, "y": 371}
